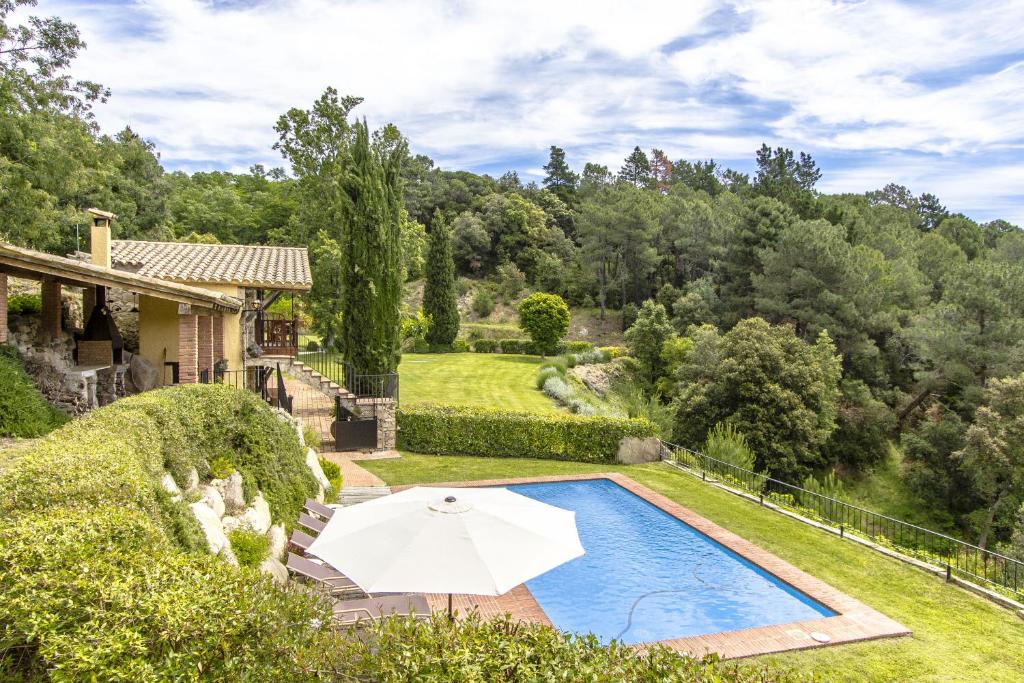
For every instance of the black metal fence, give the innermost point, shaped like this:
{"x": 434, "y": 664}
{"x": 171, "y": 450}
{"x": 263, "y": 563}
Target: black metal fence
{"x": 257, "y": 379}
{"x": 332, "y": 365}
{"x": 957, "y": 557}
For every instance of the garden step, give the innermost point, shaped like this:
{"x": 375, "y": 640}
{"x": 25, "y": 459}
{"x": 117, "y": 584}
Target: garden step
{"x": 352, "y": 495}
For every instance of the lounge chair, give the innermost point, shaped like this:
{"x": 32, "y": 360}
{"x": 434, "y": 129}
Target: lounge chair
{"x": 301, "y": 540}
{"x": 351, "y": 612}
{"x": 312, "y": 523}
{"x": 319, "y": 509}
{"x": 323, "y": 575}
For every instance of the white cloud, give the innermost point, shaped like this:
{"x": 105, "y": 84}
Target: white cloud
{"x": 475, "y": 83}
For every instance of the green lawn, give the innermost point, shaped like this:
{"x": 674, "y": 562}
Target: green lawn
{"x": 957, "y": 636}
{"x": 491, "y": 380}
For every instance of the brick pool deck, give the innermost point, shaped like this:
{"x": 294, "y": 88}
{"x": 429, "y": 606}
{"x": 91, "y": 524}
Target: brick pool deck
{"x": 853, "y": 622}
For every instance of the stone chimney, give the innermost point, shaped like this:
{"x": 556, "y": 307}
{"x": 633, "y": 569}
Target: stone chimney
{"x": 99, "y": 242}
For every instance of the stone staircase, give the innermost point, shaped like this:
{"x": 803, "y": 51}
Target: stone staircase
{"x": 351, "y": 495}
{"x": 314, "y": 379}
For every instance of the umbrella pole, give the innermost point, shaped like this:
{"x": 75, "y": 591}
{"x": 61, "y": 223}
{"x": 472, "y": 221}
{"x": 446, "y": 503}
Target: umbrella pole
{"x": 451, "y": 614}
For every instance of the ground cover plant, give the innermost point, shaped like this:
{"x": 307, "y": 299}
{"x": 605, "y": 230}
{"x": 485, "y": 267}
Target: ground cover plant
{"x": 956, "y": 635}
{"x": 23, "y": 410}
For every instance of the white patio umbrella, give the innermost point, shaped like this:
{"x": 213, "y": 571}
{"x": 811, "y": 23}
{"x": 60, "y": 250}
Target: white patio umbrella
{"x": 480, "y": 541}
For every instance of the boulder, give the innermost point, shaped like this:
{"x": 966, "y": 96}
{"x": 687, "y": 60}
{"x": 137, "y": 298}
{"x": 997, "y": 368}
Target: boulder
{"x": 257, "y": 515}
{"x": 191, "y": 480}
{"x": 231, "y": 491}
{"x": 144, "y": 373}
{"x": 314, "y": 466}
{"x": 213, "y": 500}
{"x": 633, "y": 451}
{"x": 228, "y": 555}
{"x": 278, "y": 571}
{"x": 209, "y": 522}
{"x": 168, "y": 484}
{"x": 278, "y": 541}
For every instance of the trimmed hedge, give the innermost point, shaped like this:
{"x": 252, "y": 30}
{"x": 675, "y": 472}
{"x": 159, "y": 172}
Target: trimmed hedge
{"x": 23, "y": 410}
{"x": 527, "y": 346}
{"x": 464, "y": 430}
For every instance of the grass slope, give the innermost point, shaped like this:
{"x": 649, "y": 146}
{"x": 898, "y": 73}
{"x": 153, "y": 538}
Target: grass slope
{"x": 957, "y": 636}
{"x": 489, "y": 380}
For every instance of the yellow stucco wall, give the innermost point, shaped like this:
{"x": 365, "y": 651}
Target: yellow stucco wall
{"x": 158, "y": 331}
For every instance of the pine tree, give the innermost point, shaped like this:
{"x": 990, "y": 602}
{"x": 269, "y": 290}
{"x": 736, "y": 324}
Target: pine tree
{"x": 372, "y": 245}
{"x": 560, "y": 179}
{"x": 439, "y": 301}
{"x": 636, "y": 169}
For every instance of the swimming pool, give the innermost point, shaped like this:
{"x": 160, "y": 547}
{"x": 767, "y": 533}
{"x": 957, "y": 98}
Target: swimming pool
{"x": 648, "y": 576}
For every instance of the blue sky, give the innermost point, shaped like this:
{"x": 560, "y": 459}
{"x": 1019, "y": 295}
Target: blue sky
{"x": 927, "y": 94}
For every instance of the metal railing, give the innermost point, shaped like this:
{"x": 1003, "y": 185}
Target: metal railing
{"x": 956, "y": 557}
{"x": 232, "y": 378}
{"x": 332, "y": 365}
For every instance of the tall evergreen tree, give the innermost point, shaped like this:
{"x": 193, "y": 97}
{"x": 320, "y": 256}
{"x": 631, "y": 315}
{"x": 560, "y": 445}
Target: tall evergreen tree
{"x": 372, "y": 245}
{"x": 560, "y": 179}
{"x": 636, "y": 169}
{"x": 439, "y": 301}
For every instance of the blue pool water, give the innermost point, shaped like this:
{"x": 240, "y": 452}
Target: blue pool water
{"x": 634, "y": 549}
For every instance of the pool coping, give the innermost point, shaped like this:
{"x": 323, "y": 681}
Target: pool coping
{"x": 853, "y": 622}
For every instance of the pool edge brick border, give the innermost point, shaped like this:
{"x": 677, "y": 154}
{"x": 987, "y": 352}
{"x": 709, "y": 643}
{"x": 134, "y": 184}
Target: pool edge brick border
{"x": 854, "y": 621}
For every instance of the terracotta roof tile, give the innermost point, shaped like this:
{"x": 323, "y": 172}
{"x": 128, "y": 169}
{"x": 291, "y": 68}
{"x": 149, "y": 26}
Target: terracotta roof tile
{"x": 247, "y": 265}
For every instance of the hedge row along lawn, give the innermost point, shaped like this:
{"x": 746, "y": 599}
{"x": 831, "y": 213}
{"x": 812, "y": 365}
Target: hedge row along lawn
{"x": 956, "y": 635}
{"x": 23, "y": 410}
{"x": 473, "y": 379}
{"x": 505, "y": 434}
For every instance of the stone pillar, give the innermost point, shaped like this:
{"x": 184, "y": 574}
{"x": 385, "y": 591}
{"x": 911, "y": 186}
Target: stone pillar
{"x": 3, "y": 308}
{"x": 218, "y": 339}
{"x": 49, "y": 316}
{"x": 204, "y": 344}
{"x": 188, "y": 348}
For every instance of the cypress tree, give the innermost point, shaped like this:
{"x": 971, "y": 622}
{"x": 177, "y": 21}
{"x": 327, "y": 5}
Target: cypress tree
{"x": 439, "y": 300}
{"x": 371, "y": 292}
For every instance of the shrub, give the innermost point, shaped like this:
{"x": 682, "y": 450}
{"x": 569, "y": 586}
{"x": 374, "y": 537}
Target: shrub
{"x": 333, "y": 473}
{"x": 459, "y": 430}
{"x": 545, "y": 317}
{"x": 575, "y": 346}
{"x": 420, "y": 346}
{"x": 24, "y": 304}
{"x": 485, "y": 345}
{"x": 483, "y": 302}
{"x": 220, "y": 468}
{"x": 511, "y": 280}
{"x": 250, "y": 548}
{"x": 312, "y": 345}
{"x": 630, "y": 400}
{"x": 558, "y": 389}
{"x": 520, "y": 346}
{"x": 311, "y": 437}
{"x": 23, "y": 410}
{"x": 544, "y": 374}
{"x": 94, "y": 583}
{"x": 613, "y": 352}
{"x": 629, "y": 314}
{"x": 460, "y": 346}
{"x": 727, "y": 444}
{"x": 474, "y": 649}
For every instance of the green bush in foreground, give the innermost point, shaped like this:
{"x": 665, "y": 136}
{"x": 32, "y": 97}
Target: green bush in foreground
{"x": 464, "y": 430}
{"x": 506, "y": 650}
{"x": 250, "y": 547}
{"x": 23, "y": 410}
{"x": 104, "y": 577}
